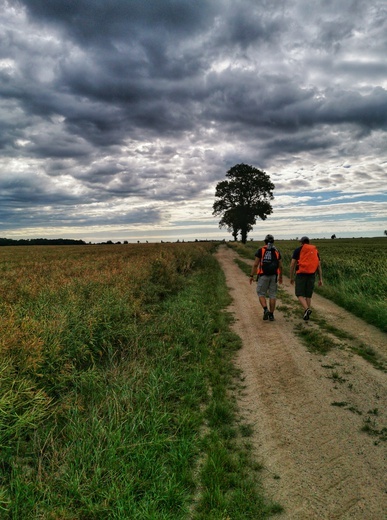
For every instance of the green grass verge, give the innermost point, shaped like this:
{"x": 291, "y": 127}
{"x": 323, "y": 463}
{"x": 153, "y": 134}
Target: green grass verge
{"x": 153, "y": 433}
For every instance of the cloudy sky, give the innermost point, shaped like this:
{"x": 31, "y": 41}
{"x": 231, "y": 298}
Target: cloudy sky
{"x": 119, "y": 117}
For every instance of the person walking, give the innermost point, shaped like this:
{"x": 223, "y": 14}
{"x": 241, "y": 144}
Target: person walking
{"x": 268, "y": 266}
{"x": 303, "y": 267}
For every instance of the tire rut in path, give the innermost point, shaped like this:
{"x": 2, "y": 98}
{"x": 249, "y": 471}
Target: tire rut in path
{"x": 318, "y": 464}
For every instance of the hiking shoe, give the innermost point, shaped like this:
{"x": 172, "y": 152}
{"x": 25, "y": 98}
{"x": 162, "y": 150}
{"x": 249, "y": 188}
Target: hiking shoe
{"x": 271, "y": 316}
{"x": 266, "y": 315}
{"x": 307, "y": 313}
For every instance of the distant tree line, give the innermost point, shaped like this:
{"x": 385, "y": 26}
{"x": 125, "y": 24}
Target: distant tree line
{"x": 41, "y": 242}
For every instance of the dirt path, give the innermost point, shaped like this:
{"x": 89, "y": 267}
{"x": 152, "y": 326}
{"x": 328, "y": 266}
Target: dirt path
{"x": 318, "y": 463}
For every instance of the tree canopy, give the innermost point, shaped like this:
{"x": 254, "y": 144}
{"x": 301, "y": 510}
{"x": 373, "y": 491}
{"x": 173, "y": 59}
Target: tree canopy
{"x": 242, "y": 198}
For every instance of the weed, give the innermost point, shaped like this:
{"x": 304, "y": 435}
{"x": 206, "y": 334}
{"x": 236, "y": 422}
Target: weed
{"x": 314, "y": 339}
{"x": 285, "y": 309}
{"x": 344, "y": 404}
{"x": 246, "y": 430}
{"x": 370, "y": 428}
{"x": 354, "y": 410}
{"x": 370, "y": 355}
{"x": 338, "y": 333}
{"x": 337, "y": 378}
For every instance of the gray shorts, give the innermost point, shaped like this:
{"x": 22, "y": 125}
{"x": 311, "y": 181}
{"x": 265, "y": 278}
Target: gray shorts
{"x": 267, "y": 285}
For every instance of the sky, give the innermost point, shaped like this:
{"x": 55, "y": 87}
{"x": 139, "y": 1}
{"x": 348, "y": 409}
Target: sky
{"x": 119, "y": 117}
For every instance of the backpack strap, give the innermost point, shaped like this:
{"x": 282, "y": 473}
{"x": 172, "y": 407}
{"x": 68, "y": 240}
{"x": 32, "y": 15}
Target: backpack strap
{"x": 276, "y": 252}
{"x": 263, "y": 252}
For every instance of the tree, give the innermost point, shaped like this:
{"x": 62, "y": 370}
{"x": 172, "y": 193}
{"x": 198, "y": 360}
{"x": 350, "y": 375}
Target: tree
{"x": 242, "y": 198}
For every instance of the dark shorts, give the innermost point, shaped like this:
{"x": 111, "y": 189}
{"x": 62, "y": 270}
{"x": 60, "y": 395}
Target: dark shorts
{"x": 305, "y": 285}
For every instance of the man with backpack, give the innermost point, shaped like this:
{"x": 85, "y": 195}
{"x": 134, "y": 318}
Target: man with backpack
{"x": 305, "y": 263}
{"x": 268, "y": 266}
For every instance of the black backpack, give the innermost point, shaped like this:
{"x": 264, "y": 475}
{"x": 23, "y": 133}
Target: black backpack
{"x": 270, "y": 260}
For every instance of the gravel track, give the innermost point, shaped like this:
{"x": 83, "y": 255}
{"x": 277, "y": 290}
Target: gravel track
{"x": 308, "y": 409}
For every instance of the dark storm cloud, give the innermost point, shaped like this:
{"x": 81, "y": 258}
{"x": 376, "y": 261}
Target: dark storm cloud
{"x": 30, "y": 190}
{"x": 140, "y": 66}
{"x": 96, "y": 21}
{"x": 152, "y": 101}
{"x": 61, "y": 217}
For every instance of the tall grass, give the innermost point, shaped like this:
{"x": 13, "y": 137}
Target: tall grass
{"x": 112, "y": 360}
{"x": 354, "y": 273}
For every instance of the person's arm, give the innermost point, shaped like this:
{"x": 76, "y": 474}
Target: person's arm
{"x": 319, "y": 270}
{"x": 292, "y": 270}
{"x": 254, "y": 269}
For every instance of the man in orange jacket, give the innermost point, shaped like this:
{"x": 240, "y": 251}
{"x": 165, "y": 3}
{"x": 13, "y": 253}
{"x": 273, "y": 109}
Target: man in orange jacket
{"x": 305, "y": 264}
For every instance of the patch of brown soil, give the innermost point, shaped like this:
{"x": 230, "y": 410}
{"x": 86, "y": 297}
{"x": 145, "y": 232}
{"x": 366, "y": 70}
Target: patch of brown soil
{"x": 308, "y": 409}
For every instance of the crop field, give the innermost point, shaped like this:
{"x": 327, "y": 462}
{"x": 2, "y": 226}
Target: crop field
{"x": 354, "y": 273}
{"x": 115, "y": 369}
{"x": 115, "y": 376}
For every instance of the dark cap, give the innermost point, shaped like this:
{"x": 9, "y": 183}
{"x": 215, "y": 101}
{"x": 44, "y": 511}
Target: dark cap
{"x": 304, "y": 240}
{"x": 269, "y": 238}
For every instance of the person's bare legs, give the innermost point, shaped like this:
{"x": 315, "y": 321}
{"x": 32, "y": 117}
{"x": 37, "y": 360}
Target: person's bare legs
{"x": 262, "y": 301}
{"x": 305, "y": 302}
{"x": 272, "y": 301}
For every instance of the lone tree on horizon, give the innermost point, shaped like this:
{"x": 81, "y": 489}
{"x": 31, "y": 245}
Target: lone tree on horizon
{"x": 242, "y": 198}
